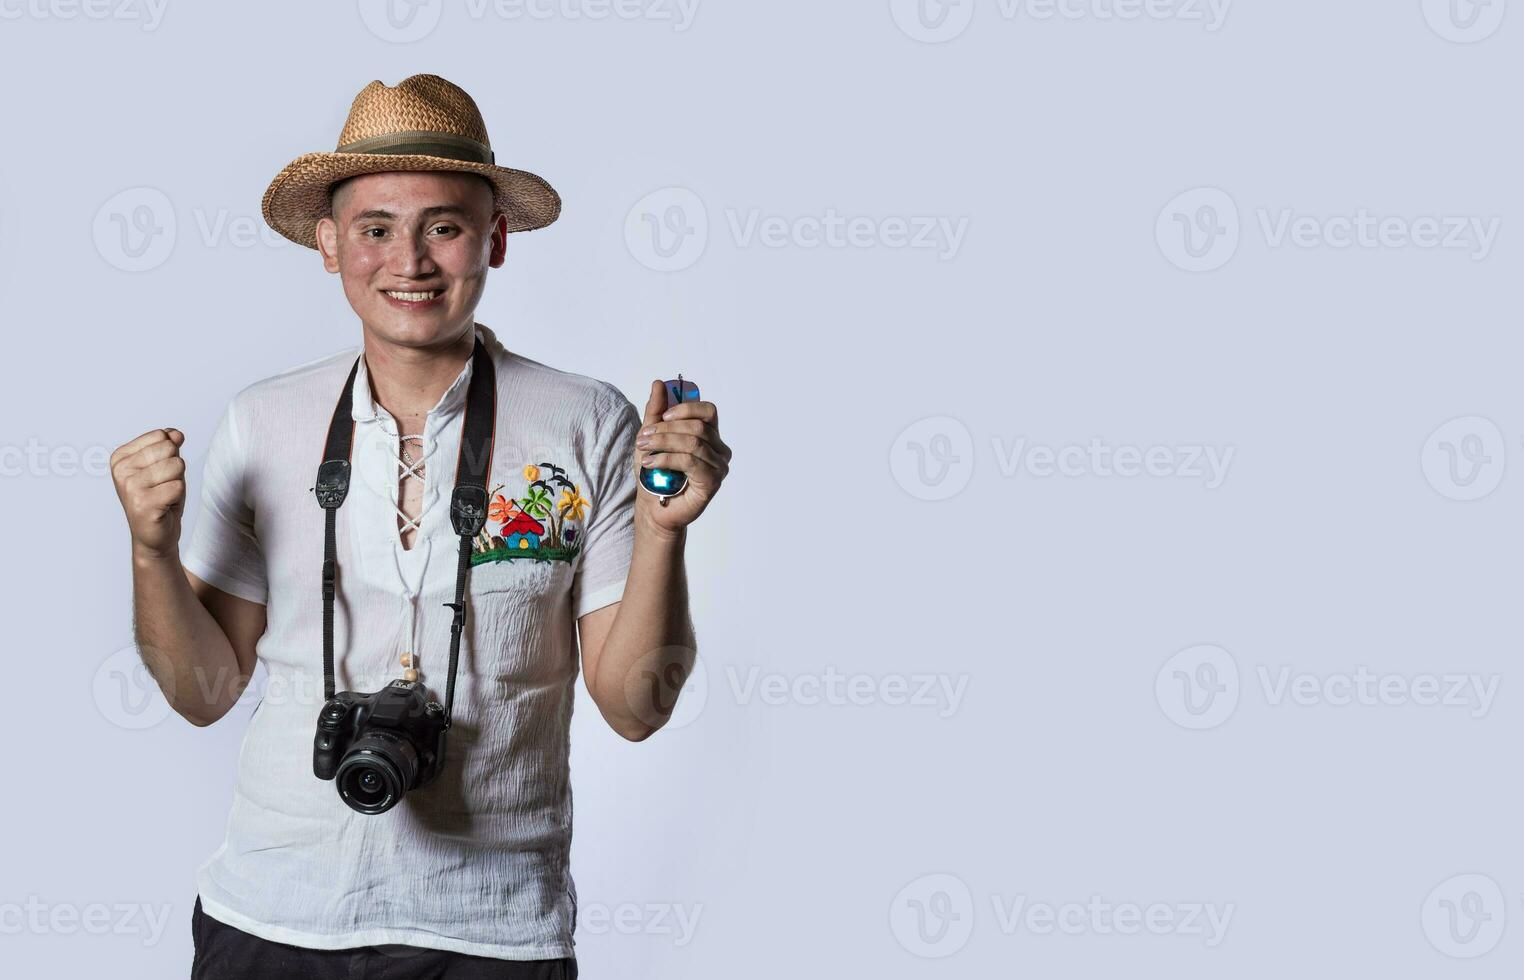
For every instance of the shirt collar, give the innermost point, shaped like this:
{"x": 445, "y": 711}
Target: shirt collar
{"x": 365, "y": 409}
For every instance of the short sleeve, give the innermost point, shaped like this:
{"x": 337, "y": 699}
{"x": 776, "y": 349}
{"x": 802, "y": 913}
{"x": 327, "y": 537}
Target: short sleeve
{"x": 222, "y": 550}
{"x": 609, "y": 540}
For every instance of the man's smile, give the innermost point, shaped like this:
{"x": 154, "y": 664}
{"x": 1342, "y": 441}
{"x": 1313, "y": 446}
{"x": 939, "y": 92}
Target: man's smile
{"x": 412, "y": 299}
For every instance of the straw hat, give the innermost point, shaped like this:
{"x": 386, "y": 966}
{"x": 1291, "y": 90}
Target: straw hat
{"x": 424, "y": 123}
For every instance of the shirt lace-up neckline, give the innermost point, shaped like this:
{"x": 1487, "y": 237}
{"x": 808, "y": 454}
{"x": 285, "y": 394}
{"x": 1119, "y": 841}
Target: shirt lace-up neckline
{"x": 409, "y": 469}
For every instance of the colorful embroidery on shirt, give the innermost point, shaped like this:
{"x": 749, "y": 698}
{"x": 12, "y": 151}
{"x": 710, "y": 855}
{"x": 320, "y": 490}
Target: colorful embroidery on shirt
{"x": 538, "y": 524}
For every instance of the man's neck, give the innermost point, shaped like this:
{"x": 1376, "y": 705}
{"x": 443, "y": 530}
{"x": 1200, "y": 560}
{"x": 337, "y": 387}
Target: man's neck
{"x": 408, "y": 381}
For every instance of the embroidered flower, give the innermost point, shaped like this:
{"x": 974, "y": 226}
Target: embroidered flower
{"x": 501, "y": 509}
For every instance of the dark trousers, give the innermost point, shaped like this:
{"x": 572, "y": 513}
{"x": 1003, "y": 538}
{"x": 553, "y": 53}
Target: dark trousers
{"x": 225, "y": 952}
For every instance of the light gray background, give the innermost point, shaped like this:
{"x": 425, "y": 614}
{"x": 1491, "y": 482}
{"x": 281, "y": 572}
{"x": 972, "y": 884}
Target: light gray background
{"x": 1117, "y": 736}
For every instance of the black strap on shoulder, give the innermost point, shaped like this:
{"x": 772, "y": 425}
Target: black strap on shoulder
{"x": 468, "y": 502}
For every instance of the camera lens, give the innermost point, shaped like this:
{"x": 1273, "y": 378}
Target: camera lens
{"x": 376, "y": 771}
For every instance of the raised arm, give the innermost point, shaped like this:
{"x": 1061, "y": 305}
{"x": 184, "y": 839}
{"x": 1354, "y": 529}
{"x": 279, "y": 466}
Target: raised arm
{"x": 196, "y": 640}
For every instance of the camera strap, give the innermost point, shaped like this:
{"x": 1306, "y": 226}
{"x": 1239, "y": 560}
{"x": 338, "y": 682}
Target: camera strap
{"x": 468, "y": 503}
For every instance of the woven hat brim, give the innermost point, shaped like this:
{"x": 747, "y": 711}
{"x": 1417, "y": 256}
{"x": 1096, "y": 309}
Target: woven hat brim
{"x": 298, "y": 196}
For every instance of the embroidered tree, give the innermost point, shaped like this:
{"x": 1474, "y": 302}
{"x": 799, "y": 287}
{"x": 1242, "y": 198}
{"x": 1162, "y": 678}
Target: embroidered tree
{"x": 571, "y": 506}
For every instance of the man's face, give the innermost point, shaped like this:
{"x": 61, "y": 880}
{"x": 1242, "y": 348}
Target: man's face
{"x": 413, "y": 232}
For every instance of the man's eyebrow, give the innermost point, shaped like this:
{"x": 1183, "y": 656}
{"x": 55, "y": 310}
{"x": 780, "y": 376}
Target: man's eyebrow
{"x": 429, "y": 212}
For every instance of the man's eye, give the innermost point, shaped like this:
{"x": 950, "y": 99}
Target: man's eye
{"x": 367, "y": 232}
{"x": 444, "y": 228}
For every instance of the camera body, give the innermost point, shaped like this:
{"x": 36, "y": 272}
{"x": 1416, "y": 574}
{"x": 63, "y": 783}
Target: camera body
{"x": 378, "y": 746}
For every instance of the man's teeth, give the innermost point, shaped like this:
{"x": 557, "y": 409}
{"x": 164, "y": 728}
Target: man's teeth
{"x": 414, "y": 297}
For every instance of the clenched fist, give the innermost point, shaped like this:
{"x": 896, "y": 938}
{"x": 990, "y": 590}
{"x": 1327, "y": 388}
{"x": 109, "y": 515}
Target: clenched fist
{"x": 150, "y": 480}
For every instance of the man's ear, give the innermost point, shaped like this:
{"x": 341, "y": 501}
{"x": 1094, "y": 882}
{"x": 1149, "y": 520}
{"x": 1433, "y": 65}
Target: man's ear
{"x": 499, "y": 240}
{"x": 327, "y": 234}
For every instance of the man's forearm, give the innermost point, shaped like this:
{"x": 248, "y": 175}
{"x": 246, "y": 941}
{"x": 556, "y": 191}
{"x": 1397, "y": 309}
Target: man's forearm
{"x": 182, "y": 646}
{"x": 650, "y": 647}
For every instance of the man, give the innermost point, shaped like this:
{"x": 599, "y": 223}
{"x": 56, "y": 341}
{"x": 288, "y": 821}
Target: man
{"x": 465, "y": 876}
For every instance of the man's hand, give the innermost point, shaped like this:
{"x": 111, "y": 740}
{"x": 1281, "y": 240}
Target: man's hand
{"x": 686, "y": 438}
{"x": 150, "y": 480}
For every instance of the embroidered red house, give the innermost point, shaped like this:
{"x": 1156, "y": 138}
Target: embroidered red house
{"x": 522, "y": 531}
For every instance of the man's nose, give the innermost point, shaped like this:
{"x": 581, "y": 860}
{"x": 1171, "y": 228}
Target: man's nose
{"x": 410, "y": 257}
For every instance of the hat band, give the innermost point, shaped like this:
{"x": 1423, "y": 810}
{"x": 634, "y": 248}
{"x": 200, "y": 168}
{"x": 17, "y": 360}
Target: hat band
{"x": 424, "y": 143}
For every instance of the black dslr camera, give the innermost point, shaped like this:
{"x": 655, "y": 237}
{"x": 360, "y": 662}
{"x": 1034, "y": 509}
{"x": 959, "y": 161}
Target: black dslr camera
{"x": 378, "y": 746}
